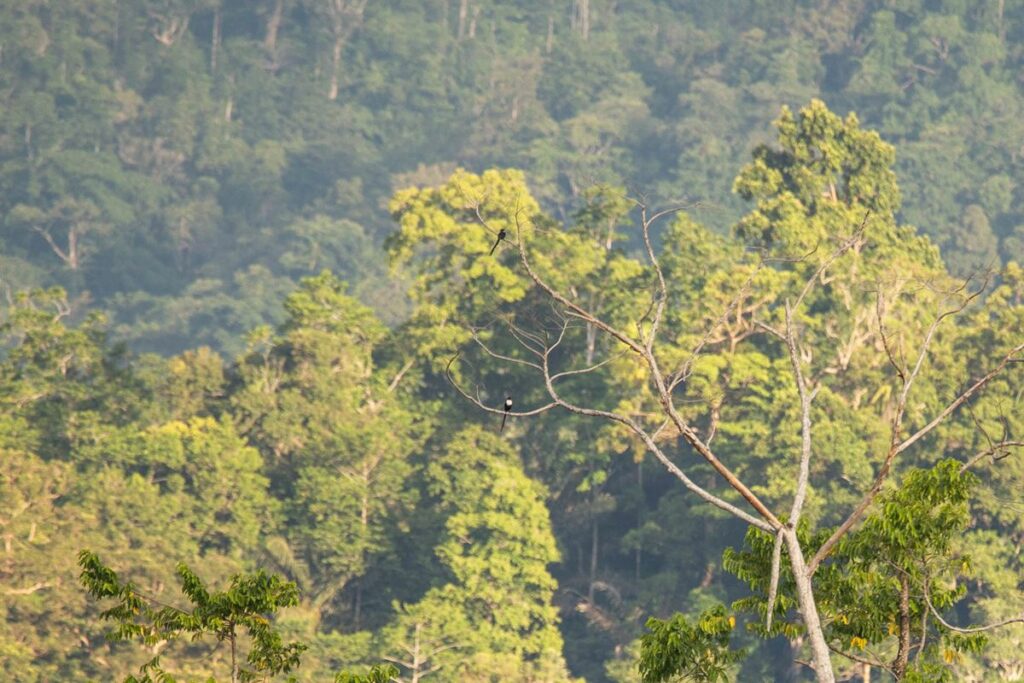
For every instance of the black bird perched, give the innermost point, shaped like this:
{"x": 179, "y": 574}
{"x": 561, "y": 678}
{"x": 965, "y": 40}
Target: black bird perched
{"x": 501, "y": 236}
{"x": 508, "y": 407}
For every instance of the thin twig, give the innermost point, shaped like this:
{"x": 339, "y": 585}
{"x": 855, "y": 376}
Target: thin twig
{"x": 970, "y": 629}
{"x": 859, "y": 660}
{"x": 896, "y": 446}
{"x": 480, "y": 404}
{"x": 1001, "y": 448}
{"x": 773, "y": 583}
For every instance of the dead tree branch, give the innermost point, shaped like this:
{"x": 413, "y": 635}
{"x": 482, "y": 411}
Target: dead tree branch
{"x": 898, "y": 445}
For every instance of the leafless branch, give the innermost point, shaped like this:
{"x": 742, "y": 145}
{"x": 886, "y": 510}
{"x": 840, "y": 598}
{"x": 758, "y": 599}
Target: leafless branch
{"x": 508, "y": 359}
{"x": 664, "y": 396}
{"x": 475, "y": 400}
{"x": 400, "y": 374}
{"x": 773, "y": 583}
{"x": 645, "y": 223}
{"x": 570, "y": 305}
{"x": 581, "y": 371}
{"x": 770, "y": 330}
{"x": 970, "y": 629}
{"x": 806, "y": 398}
{"x": 998, "y": 451}
{"x": 652, "y": 447}
{"x": 896, "y": 445}
{"x": 961, "y": 399}
{"x": 28, "y": 590}
{"x": 528, "y": 341}
{"x": 924, "y": 636}
{"x": 853, "y": 240}
{"x": 860, "y": 660}
{"x": 683, "y": 372}
{"x": 880, "y": 314}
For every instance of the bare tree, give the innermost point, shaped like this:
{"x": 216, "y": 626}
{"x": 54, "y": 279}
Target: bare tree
{"x": 541, "y": 353}
{"x": 344, "y": 17}
{"x": 66, "y": 227}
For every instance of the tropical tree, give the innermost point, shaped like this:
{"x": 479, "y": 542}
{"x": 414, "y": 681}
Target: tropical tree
{"x": 493, "y": 618}
{"x": 222, "y": 615}
{"x": 847, "y": 305}
{"x": 337, "y": 431}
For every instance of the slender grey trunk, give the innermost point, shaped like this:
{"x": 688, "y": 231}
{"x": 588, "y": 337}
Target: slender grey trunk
{"x": 234, "y": 658}
{"x": 335, "y": 68}
{"x": 639, "y": 514}
{"x": 273, "y": 24}
{"x": 215, "y": 41}
{"x": 809, "y": 611}
{"x": 550, "y": 42}
{"x": 1001, "y": 27}
{"x": 581, "y": 18}
{"x": 357, "y": 610}
{"x": 899, "y": 668}
{"x": 463, "y": 12}
{"x": 593, "y": 559}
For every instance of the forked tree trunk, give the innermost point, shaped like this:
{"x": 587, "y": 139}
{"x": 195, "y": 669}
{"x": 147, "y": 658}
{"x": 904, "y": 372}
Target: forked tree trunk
{"x": 809, "y": 611}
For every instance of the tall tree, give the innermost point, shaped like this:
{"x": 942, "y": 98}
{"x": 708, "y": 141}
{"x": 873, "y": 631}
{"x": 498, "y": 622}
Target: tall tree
{"x": 825, "y": 206}
{"x": 493, "y": 618}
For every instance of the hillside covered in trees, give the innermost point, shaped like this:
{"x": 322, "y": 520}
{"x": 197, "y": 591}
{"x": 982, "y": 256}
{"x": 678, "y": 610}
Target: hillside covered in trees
{"x": 248, "y": 303}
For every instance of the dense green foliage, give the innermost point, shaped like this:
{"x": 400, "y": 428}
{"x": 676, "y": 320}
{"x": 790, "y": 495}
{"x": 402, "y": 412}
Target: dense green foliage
{"x": 700, "y": 652}
{"x": 249, "y": 603}
{"x": 183, "y": 163}
{"x": 199, "y": 178}
{"x": 906, "y": 545}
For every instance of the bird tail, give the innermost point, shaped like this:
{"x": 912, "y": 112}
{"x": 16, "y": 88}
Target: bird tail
{"x": 496, "y": 243}
{"x": 503, "y": 418}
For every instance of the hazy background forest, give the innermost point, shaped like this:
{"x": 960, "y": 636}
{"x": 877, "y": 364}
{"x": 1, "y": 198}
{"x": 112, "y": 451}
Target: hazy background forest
{"x": 203, "y": 285}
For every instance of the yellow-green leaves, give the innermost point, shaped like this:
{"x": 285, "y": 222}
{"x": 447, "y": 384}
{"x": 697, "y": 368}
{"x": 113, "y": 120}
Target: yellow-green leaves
{"x": 444, "y": 238}
{"x": 699, "y": 652}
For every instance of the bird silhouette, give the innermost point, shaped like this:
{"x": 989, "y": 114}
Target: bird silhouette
{"x": 508, "y": 407}
{"x": 501, "y": 236}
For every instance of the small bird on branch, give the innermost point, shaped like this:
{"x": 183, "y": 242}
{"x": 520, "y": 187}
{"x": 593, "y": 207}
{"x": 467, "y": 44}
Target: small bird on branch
{"x": 508, "y": 407}
{"x": 501, "y": 236}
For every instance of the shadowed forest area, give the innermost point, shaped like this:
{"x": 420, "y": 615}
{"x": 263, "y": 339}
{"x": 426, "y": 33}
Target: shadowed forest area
{"x": 248, "y": 299}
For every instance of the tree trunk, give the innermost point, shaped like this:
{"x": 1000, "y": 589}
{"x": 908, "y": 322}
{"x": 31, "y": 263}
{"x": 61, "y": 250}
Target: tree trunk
{"x": 332, "y": 94}
{"x": 549, "y": 43}
{"x": 215, "y": 41}
{"x": 463, "y": 13}
{"x": 1001, "y": 27}
{"x": 358, "y": 607}
{"x": 809, "y": 611}
{"x": 639, "y": 515}
{"x": 593, "y": 560}
{"x": 581, "y": 18}
{"x": 364, "y": 522}
{"x": 899, "y": 667}
{"x": 866, "y": 673}
{"x": 273, "y": 24}
{"x": 234, "y": 657}
{"x": 416, "y": 656}
{"x": 591, "y": 343}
